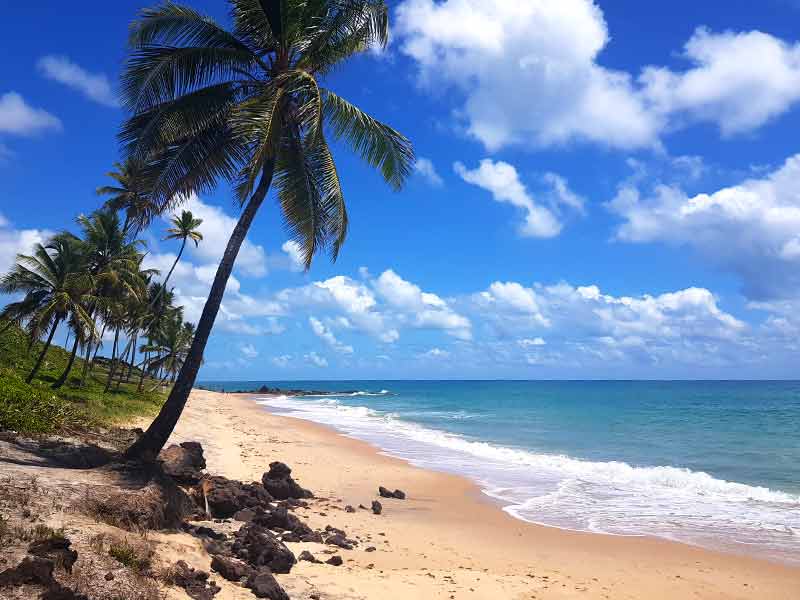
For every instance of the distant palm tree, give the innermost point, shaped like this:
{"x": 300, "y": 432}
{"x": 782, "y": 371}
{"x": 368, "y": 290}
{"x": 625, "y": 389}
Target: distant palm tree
{"x": 131, "y": 195}
{"x": 183, "y": 228}
{"x": 247, "y": 106}
{"x": 56, "y": 286}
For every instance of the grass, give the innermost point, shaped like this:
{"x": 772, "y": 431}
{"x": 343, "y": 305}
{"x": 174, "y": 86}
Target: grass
{"x": 37, "y": 408}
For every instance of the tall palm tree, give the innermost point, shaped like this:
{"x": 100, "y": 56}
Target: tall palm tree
{"x": 247, "y": 106}
{"x": 56, "y": 287}
{"x": 130, "y": 195}
{"x": 183, "y": 228}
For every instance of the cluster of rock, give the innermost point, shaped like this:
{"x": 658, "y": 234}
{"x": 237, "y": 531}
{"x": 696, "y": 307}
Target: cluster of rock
{"x": 39, "y": 566}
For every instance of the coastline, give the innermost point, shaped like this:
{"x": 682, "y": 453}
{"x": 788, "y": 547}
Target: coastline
{"x": 449, "y": 539}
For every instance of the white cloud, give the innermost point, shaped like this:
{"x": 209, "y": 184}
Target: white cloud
{"x": 96, "y": 87}
{"x": 293, "y": 252}
{"x": 18, "y": 117}
{"x": 249, "y": 351}
{"x": 435, "y": 353}
{"x": 531, "y": 342}
{"x": 752, "y": 229}
{"x": 738, "y": 81}
{"x": 502, "y": 181}
{"x": 282, "y": 361}
{"x": 425, "y": 168}
{"x": 216, "y": 228}
{"x": 327, "y": 336}
{"x": 428, "y": 310}
{"x": 316, "y": 360}
{"x": 528, "y": 73}
{"x": 562, "y": 195}
{"x": 17, "y": 241}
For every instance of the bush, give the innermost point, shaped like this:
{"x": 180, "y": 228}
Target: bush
{"x": 31, "y": 409}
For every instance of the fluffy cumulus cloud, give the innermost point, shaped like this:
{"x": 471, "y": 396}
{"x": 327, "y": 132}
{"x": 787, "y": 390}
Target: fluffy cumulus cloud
{"x": 315, "y": 359}
{"x": 249, "y": 351}
{"x": 94, "y": 86}
{"x": 502, "y": 181}
{"x": 20, "y": 118}
{"x": 752, "y": 228}
{"x": 528, "y": 72}
{"x": 17, "y": 241}
{"x": 327, "y": 336}
{"x": 424, "y": 167}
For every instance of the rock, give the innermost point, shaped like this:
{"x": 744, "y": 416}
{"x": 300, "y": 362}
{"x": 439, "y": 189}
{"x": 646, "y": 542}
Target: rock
{"x": 370, "y": 549}
{"x": 335, "y": 560}
{"x": 183, "y": 463}
{"x": 245, "y": 515}
{"x": 194, "y": 581}
{"x": 349, "y": 509}
{"x": 279, "y": 483}
{"x": 31, "y": 570}
{"x": 263, "y": 585}
{"x": 56, "y": 549}
{"x": 280, "y": 518}
{"x": 337, "y": 539}
{"x": 227, "y": 497}
{"x": 204, "y": 532}
{"x": 109, "y": 576}
{"x": 306, "y": 555}
{"x": 231, "y": 569}
{"x": 377, "y": 507}
{"x": 259, "y": 547}
{"x": 59, "y": 592}
{"x": 385, "y": 493}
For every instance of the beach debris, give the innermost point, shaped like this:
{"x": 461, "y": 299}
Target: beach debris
{"x": 227, "y": 497}
{"x": 279, "y": 483}
{"x": 264, "y": 585}
{"x": 377, "y": 507}
{"x": 307, "y": 556}
{"x": 335, "y": 560}
{"x": 231, "y": 568}
{"x": 194, "y": 581}
{"x": 386, "y": 493}
{"x": 261, "y": 548}
{"x": 183, "y": 463}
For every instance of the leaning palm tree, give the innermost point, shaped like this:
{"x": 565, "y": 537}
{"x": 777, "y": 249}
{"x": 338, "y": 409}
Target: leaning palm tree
{"x": 248, "y": 106}
{"x": 130, "y": 195}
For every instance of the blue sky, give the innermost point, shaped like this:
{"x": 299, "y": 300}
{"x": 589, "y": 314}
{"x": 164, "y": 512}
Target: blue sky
{"x": 604, "y": 190}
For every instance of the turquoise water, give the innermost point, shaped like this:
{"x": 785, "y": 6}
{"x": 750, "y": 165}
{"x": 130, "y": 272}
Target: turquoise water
{"x": 711, "y": 463}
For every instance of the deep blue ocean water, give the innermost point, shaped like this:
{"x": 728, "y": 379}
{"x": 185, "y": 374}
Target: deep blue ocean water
{"x": 711, "y": 463}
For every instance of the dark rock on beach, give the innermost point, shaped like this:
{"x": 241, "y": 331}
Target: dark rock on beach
{"x": 335, "y": 560}
{"x": 227, "y": 497}
{"x": 56, "y": 549}
{"x": 385, "y": 493}
{"x": 194, "y": 581}
{"x": 307, "y": 556}
{"x": 231, "y": 569}
{"x": 377, "y": 507}
{"x": 259, "y": 547}
{"x": 279, "y": 483}
{"x": 263, "y": 585}
{"x": 183, "y": 463}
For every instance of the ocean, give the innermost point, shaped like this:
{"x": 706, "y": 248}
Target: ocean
{"x": 710, "y": 463}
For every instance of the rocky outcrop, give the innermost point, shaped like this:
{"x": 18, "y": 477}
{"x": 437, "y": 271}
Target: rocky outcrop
{"x": 56, "y": 549}
{"x": 259, "y": 547}
{"x": 194, "y": 581}
{"x": 183, "y": 463}
{"x": 263, "y": 585}
{"x": 279, "y": 483}
{"x": 232, "y": 569}
{"x": 226, "y": 497}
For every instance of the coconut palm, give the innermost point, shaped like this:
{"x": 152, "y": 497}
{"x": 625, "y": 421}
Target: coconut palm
{"x": 248, "y": 106}
{"x": 183, "y": 228}
{"x": 130, "y": 195}
{"x": 56, "y": 287}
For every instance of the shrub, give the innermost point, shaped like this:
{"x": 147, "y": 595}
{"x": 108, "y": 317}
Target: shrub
{"x": 31, "y": 409}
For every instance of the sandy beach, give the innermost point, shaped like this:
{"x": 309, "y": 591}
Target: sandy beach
{"x": 447, "y": 540}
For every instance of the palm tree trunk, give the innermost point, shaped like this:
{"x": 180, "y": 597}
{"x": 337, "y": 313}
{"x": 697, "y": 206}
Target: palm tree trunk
{"x": 141, "y": 376}
{"x": 113, "y": 360}
{"x": 133, "y": 357}
{"x": 71, "y": 360}
{"x": 44, "y": 351}
{"x": 149, "y": 445}
{"x": 97, "y": 347}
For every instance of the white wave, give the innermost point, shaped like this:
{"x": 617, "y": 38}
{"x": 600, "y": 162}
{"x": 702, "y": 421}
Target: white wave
{"x": 561, "y": 491}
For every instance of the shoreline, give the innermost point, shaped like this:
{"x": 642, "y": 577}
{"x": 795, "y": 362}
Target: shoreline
{"x": 430, "y": 541}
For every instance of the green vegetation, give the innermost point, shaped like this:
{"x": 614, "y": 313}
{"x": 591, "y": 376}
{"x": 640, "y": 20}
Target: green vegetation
{"x": 37, "y": 408}
{"x": 137, "y": 557}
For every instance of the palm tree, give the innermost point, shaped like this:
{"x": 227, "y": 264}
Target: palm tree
{"x": 248, "y": 106}
{"x": 183, "y": 228}
{"x": 131, "y": 195}
{"x": 56, "y": 286}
